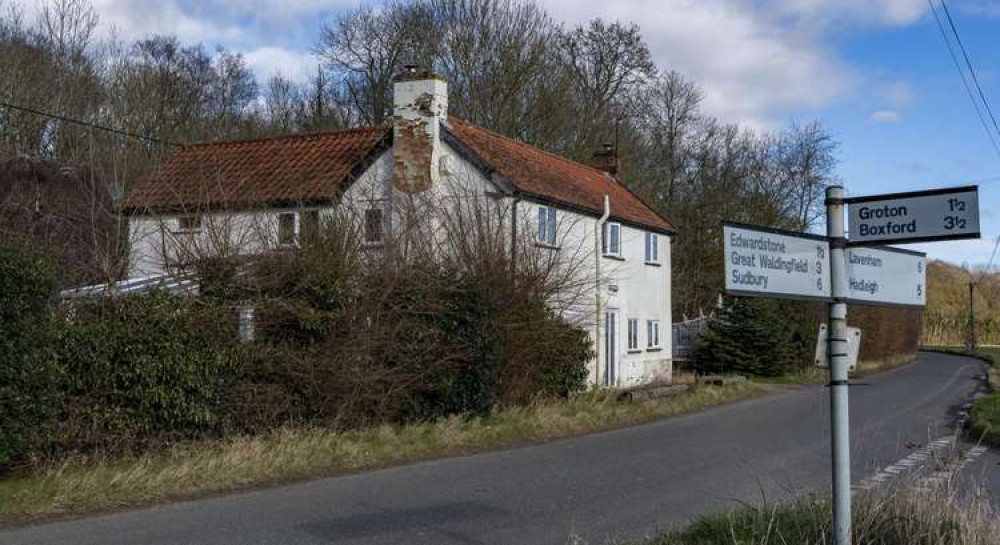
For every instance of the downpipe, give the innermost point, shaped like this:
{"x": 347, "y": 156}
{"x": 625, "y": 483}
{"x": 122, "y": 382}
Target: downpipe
{"x": 598, "y": 235}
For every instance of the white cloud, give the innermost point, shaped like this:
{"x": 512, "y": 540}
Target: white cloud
{"x": 884, "y": 116}
{"x": 131, "y": 20}
{"x": 839, "y": 12}
{"x": 753, "y": 68}
{"x": 269, "y": 61}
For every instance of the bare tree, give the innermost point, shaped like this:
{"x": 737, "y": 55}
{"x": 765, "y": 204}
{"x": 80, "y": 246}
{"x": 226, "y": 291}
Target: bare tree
{"x": 369, "y": 46}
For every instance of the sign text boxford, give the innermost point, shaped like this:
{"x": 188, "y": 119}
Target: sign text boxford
{"x": 920, "y": 216}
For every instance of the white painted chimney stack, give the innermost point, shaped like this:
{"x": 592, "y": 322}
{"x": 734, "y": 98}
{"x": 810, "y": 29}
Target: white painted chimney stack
{"x": 419, "y": 108}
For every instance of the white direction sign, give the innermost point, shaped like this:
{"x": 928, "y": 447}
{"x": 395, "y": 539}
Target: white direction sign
{"x": 943, "y": 214}
{"x": 767, "y": 262}
{"x": 888, "y": 276}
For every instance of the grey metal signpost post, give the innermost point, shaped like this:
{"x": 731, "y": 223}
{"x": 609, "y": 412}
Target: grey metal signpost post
{"x": 768, "y": 262}
{"x": 837, "y": 346}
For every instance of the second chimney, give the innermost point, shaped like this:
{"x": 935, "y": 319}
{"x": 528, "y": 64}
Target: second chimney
{"x": 606, "y": 158}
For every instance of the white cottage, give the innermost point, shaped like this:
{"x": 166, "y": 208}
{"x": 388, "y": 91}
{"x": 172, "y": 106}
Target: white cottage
{"x": 267, "y": 192}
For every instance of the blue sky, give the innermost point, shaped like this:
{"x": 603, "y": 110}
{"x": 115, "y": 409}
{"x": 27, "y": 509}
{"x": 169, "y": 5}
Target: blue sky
{"x": 875, "y": 72}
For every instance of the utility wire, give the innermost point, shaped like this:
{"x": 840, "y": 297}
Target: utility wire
{"x": 968, "y": 63}
{"x": 89, "y": 125}
{"x": 993, "y": 255}
{"x": 965, "y": 81}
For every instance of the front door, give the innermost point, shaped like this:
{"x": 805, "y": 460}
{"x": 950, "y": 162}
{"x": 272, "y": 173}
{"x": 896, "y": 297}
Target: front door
{"x": 611, "y": 347}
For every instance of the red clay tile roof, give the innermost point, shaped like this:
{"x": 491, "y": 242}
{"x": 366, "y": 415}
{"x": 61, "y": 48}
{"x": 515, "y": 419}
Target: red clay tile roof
{"x": 311, "y": 168}
{"x": 270, "y": 171}
{"x": 555, "y": 178}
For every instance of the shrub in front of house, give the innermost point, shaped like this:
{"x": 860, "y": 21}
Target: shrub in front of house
{"x": 29, "y": 370}
{"x": 415, "y": 343}
{"x": 144, "y": 369}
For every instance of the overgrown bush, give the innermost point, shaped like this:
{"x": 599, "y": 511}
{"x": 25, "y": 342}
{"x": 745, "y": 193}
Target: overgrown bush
{"x": 755, "y": 337}
{"x": 355, "y": 337}
{"x": 29, "y": 372}
{"x": 142, "y": 369}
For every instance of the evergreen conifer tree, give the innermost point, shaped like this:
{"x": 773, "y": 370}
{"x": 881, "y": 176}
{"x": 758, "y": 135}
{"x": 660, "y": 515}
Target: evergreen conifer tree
{"x": 751, "y": 337}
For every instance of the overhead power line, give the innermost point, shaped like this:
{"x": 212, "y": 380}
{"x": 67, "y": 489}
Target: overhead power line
{"x": 965, "y": 81}
{"x": 968, "y": 63}
{"x": 89, "y": 125}
{"x": 992, "y": 256}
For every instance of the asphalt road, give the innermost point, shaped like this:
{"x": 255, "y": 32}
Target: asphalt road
{"x": 626, "y": 483}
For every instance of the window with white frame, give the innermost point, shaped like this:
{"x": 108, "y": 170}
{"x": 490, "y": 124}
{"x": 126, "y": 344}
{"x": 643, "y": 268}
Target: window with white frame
{"x": 374, "y": 226}
{"x": 286, "y": 228}
{"x": 652, "y": 248}
{"x": 633, "y": 334}
{"x": 652, "y": 334}
{"x": 612, "y": 238}
{"x": 546, "y": 232}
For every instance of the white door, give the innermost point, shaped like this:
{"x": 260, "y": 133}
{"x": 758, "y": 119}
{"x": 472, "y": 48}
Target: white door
{"x": 611, "y": 347}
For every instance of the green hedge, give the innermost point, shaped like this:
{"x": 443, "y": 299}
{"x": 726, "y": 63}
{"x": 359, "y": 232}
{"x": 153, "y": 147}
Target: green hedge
{"x": 145, "y": 368}
{"x": 29, "y": 372}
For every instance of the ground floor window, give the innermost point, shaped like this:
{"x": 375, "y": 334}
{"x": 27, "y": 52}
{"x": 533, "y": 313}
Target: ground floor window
{"x": 652, "y": 333}
{"x": 633, "y": 334}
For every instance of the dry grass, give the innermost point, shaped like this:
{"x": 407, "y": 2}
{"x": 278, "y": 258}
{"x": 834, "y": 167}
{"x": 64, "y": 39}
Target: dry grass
{"x": 244, "y": 462}
{"x": 819, "y": 375}
{"x": 872, "y": 367}
{"x": 904, "y": 514}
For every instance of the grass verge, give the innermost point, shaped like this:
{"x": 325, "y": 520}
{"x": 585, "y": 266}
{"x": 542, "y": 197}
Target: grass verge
{"x": 192, "y": 470}
{"x": 902, "y": 515}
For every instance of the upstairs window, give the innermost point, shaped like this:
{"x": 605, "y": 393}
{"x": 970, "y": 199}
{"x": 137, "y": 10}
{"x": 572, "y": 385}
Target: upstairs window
{"x": 652, "y": 248}
{"x": 652, "y": 334}
{"x": 374, "y": 226}
{"x": 286, "y": 228}
{"x": 633, "y": 334}
{"x": 612, "y": 237}
{"x": 546, "y": 233}
{"x": 189, "y": 224}
{"x": 309, "y": 224}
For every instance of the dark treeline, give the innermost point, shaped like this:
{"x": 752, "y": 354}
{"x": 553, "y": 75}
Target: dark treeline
{"x": 510, "y": 67}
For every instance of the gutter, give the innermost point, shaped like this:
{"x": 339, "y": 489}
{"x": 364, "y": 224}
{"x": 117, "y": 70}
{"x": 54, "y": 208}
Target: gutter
{"x": 598, "y": 232}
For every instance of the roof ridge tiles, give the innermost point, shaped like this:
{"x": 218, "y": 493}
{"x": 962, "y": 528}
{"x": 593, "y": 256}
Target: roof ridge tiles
{"x": 287, "y": 136}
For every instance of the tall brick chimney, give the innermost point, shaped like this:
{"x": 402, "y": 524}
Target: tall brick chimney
{"x": 419, "y": 107}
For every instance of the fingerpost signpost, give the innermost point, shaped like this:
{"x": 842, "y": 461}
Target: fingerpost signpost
{"x": 766, "y": 262}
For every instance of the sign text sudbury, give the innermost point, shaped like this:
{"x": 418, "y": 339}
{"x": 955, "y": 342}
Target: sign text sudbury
{"x": 773, "y": 263}
{"x": 914, "y": 217}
